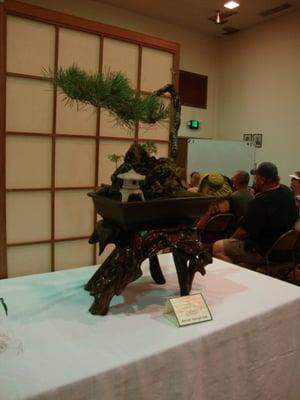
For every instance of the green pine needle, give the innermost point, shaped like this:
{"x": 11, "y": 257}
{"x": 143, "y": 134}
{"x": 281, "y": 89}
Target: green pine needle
{"x": 111, "y": 91}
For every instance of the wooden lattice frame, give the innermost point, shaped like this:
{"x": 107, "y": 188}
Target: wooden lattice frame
{"x": 60, "y": 20}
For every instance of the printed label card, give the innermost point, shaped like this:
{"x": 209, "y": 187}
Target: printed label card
{"x": 188, "y": 310}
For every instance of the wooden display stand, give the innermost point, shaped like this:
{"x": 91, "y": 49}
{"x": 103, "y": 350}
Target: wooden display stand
{"x": 123, "y": 265}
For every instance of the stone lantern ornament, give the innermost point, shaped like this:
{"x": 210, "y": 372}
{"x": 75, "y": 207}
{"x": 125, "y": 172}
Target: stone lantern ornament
{"x": 131, "y": 186}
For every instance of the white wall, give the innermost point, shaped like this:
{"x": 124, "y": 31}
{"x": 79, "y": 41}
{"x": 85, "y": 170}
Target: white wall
{"x": 259, "y": 90}
{"x": 198, "y": 52}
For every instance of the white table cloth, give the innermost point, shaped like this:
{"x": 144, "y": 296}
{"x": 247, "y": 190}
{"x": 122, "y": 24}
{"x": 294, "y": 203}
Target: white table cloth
{"x": 57, "y": 350}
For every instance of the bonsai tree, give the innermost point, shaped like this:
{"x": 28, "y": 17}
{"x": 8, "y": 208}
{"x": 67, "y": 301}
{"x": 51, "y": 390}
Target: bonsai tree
{"x": 150, "y": 147}
{"x": 137, "y": 241}
{"x": 112, "y": 91}
{"x": 115, "y": 158}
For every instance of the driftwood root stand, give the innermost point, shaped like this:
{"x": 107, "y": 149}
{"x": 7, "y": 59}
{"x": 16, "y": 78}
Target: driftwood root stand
{"x": 123, "y": 265}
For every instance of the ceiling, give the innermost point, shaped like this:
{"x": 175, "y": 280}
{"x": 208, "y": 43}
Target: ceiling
{"x": 194, "y": 14}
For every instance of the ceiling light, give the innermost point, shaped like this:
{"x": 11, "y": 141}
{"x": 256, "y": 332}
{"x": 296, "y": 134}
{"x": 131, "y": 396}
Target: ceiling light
{"x": 218, "y": 17}
{"x": 231, "y": 4}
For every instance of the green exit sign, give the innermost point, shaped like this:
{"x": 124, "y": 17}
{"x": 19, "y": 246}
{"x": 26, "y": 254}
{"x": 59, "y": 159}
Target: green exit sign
{"x": 194, "y": 124}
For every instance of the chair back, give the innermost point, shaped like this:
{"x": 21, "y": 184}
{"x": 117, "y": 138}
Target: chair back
{"x": 280, "y": 258}
{"x": 216, "y": 227}
{"x": 286, "y": 242}
{"x": 218, "y": 223}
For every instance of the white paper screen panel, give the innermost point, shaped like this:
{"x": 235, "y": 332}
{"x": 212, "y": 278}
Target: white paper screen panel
{"x": 80, "y": 48}
{"x": 157, "y": 69}
{"x": 75, "y": 162}
{"x": 121, "y": 56}
{"x": 160, "y": 131}
{"x": 75, "y": 119}
{"x": 110, "y": 127}
{"x": 72, "y": 254}
{"x": 29, "y": 259}
{"x": 29, "y": 105}
{"x": 28, "y": 162}
{"x": 29, "y": 109}
{"x": 162, "y": 150}
{"x": 73, "y": 214}
{"x": 28, "y": 216}
{"x": 107, "y": 167}
{"x": 30, "y": 46}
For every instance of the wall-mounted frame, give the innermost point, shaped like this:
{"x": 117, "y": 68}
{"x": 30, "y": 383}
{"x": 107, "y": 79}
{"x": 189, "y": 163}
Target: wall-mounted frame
{"x": 247, "y": 137}
{"x": 257, "y": 139}
{"x": 193, "y": 89}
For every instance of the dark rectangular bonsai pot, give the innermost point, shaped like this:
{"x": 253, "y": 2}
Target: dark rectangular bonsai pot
{"x": 151, "y": 213}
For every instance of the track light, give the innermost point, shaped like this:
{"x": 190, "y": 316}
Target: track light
{"x": 232, "y": 4}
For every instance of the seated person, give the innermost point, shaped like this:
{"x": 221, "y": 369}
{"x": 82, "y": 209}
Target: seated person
{"x": 295, "y": 186}
{"x": 194, "y": 182}
{"x": 272, "y": 213}
{"x": 241, "y": 198}
{"x": 219, "y": 186}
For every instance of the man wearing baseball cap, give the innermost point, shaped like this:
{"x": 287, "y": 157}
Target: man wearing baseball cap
{"x": 295, "y": 186}
{"x": 272, "y": 213}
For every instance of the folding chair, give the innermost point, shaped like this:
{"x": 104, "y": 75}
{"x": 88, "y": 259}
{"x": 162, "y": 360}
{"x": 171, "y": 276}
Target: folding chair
{"x": 280, "y": 258}
{"x": 216, "y": 228}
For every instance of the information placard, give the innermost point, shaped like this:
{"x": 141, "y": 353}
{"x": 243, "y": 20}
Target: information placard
{"x": 188, "y": 309}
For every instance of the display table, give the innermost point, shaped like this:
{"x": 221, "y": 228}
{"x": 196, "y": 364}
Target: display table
{"x": 59, "y": 351}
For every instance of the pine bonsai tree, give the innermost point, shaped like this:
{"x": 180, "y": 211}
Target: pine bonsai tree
{"x": 112, "y": 91}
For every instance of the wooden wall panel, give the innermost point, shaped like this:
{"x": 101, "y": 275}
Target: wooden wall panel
{"x": 181, "y": 160}
{"x": 158, "y": 131}
{"x": 55, "y": 154}
{"x": 28, "y": 162}
{"x": 73, "y": 214}
{"x": 73, "y": 254}
{"x": 27, "y": 98}
{"x": 28, "y": 216}
{"x": 121, "y": 56}
{"x": 30, "y": 46}
{"x": 80, "y": 48}
{"x": 3, "y": 248}
{"x": 73, "y": 119}
{"x": 157, "y": 67}
{"x": 107, "y": 167}
{"x": 110, "y": 127}
{"x": 162, "y": 150}
{"x": 75, "y": 160}
{"x": 27, "y": 260}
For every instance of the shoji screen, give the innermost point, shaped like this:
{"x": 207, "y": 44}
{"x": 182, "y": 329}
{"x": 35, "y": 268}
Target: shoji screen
{"x": 56, "y": 154}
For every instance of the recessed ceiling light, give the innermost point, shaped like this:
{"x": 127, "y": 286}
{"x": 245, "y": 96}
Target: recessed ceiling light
{"x": 231, "y": 4}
